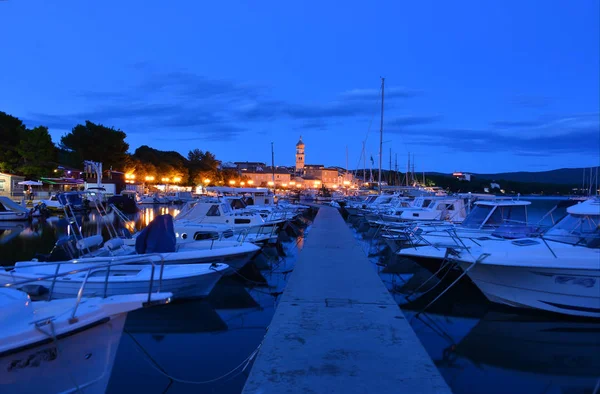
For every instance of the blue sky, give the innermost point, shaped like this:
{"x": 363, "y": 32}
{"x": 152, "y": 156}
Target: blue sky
{"x": 470, "y": 85}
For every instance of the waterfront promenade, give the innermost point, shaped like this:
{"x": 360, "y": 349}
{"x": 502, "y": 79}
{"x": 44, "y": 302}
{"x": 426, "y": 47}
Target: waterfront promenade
{"x": 337, "y": 329}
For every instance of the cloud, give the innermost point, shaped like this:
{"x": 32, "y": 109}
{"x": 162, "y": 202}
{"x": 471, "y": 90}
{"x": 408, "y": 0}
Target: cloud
{"x": 412, "y": 120}
{"x": 516, "y": 123}
{"x": 571, "y": 134}
{"x": 213, "y": 107}
{"x": 375, "y": 94}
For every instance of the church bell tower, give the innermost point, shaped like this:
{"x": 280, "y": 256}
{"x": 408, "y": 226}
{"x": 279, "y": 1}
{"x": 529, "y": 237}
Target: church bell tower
{"x": 300, "y": 156}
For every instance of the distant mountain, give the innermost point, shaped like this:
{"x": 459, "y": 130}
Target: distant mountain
{"x": 563, "y": 176}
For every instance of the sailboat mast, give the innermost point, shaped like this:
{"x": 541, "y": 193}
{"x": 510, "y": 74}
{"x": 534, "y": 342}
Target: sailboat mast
{"x": 273, "y": 165}
{"x": 364, "y": 163}
{"x": 381, "y": 132}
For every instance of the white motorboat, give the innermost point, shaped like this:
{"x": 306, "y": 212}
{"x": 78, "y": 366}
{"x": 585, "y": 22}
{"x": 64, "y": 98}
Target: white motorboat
{"x": 117, "y": 276}
{"x": 444, "y": 209}
{"x": 270, "y": 213}
{"x": 219, "y": 212}
{"x": 153, "y": 199}
{"x": 10, "y": 210}
{"x": 186, "y": 232}
{"x": 502, "y": 218}
{"x": 557, "y": 272}
{"x": 62, "y": 346}
{"x": 158, "y": 237}
{"x": 179, "y": 197}
{"x": 353, "y": 206}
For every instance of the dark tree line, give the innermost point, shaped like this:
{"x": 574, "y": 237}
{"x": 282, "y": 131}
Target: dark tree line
{"x": 32, "y": 153}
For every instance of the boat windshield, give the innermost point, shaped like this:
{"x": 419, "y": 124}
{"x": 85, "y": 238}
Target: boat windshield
{"x": 480, "y": 216}
{"x": 477, "y": 216}
{"x": 577, "y": 230}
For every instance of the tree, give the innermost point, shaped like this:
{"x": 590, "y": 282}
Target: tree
{"x": 11, "y": 131}
{"x": 38, "y": 153}
{"x": 97, "y": 143}
{"x": 205, "y": 161}
{"x": 203, "y": 165}
{"x": 166, "y": 163}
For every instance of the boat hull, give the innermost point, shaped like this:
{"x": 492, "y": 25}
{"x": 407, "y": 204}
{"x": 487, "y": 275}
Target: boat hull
{"x": 574, "y": 292}
{"x": 82, "y": 359}
{"x": 192, "y": 286}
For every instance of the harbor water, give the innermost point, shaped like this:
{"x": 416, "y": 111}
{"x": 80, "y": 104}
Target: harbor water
{"x": 202, "y": 346}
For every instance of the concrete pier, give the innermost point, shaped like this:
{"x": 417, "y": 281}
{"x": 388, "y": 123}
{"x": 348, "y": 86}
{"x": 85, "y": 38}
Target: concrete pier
{"x": 337, "y": 329}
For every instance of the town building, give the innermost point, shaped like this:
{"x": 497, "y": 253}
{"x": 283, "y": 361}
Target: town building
{"x": 261, "y": 176}
{"x": 9, "y": 185}
{"x": 463, "y": 176}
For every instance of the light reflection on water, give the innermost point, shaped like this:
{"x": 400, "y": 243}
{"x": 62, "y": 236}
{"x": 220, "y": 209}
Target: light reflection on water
{"x": 21, "y": 241}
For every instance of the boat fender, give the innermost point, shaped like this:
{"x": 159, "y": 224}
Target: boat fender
{"x": 114, "y": 243}
{"x": 88, "y": 242}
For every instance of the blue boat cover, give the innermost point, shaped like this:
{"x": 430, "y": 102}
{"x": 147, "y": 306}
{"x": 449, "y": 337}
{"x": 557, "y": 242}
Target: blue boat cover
{"x": 157, "y": 237}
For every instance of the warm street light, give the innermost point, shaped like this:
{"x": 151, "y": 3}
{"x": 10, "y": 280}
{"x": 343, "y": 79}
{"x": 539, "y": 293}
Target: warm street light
{"x": 284, "y": 185}
{"x": 292, "y": 183}
{"x": 242, "y": 183}
{"x": 165, "y": 179}
{"x": 176, "y": 179}
{"x": 129, "y": 176}
{"x": 346, "y": 183}
{"x": 232, "y": 182}
{"x": 251, "y": 182}
{"x": 207, "y": 181}
{"x": 149, "y": 178}
{"x": 270, "y": 183}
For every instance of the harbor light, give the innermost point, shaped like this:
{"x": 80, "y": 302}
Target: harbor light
{"x": 242, "y": 183}
{"x": 130, "y": 176}
{"x": 149, "y": 178}
{"x": 270, "y": 183}
{"x": 251, "y": 182}
{"x": 232, "y": 182}
{"x": 176, "y": 179}
{"x": 165, "y": 179}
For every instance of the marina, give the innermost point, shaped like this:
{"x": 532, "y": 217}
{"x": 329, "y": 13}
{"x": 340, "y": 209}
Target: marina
{"x": 233, "y": 198}
{"x": 254, "y": 330}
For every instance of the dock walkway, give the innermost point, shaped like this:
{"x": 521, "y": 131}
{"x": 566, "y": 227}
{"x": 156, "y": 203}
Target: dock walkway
{"x": 337, "y": 329}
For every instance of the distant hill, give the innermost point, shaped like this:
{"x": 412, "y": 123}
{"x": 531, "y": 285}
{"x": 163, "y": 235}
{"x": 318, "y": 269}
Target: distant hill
{"x": 563, "y": 176}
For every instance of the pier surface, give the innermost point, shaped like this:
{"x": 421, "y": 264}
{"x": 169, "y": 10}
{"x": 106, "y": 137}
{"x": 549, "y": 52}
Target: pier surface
{"x": 337, "y": 329}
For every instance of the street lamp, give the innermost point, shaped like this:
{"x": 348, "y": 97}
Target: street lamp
{"x": 176, "y": 179}
{"x": 270, "y": 183}
{"x": 206, "y": 181}
{"x": 242, "y": 183}
{"x": 149, "y": 178}
{"x": 232, "y": 182}
{"x": 251, "y": 182}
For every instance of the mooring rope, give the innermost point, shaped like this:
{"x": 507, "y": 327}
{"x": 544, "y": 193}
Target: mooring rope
{"x": 158, "y": 368}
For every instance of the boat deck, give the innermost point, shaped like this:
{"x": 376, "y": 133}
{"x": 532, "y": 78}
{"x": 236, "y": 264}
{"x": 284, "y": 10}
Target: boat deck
{"x": 337, "y": 329}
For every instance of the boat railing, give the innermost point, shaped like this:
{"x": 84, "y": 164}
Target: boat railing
{"x": 99, "y": 264}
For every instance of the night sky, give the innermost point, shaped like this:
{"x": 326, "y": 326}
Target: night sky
{"x": 479, "y": 86}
